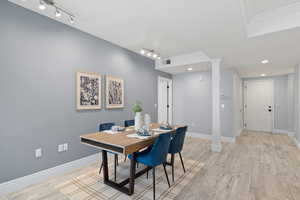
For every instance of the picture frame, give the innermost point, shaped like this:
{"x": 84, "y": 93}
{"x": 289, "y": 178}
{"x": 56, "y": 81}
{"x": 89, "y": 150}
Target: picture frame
{"x": 114, "y": 91}
{"x": 88, "y": 91}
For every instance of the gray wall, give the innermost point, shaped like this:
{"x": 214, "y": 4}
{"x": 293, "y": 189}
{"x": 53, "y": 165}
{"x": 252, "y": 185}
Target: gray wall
{"x": 283, "y": 101}
{"x": 38, "y": 61}
{"x": 193, "y": 101}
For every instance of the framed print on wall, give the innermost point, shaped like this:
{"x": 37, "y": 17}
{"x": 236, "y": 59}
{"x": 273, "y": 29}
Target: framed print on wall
{"x": 88, "y": 86}
{"x": 114, "y": 92}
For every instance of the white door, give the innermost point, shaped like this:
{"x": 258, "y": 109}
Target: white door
{"x": 258, "y": 108}
{"x": 165, "y": 90}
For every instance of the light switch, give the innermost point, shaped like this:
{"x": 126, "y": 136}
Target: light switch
{"x": 65, "y": 146}
{"x": 222, "y": 105}
{"x": 38, "y": 153}
{"x": 60, "y": 148}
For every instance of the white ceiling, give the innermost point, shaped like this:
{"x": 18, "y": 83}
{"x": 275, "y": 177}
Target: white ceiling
{"x": 255, "y": 7}
{"x": 175, "y": 27}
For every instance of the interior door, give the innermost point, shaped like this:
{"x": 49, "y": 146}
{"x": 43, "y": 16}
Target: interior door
{"x": 164, "y": 100}
{"x": 258, "y": 108}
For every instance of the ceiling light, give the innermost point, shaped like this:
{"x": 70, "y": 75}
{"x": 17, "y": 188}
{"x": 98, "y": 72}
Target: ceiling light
{"x": 57, "y": 13}
{"x": 265, "y": 62}
{"x": 263, "y": 75}
{"x": 158, "y": 57}
{"x": 189, "y": 69}
{"x": 42, "y": 5}
{"x": 154, "y": 55}
{"x": 142, "y": 51}
{"x": 72, "y": 20}
{"x": 149, "y": 54}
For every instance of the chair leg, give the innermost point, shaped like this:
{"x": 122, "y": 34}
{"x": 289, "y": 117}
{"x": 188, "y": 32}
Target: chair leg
{"x": 117, "y": 157}
{"x": 101, "y": 168}
{"x": 147, "y": 173}
{"x": 172, "y": 163}
{"x": 182, "y": 162}
{"x": 166, "y": 174}
{"x": 153, "y": 177}
{"x": 115, "y": 167}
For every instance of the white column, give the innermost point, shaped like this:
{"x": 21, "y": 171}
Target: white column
{"x": 216, "y": 127}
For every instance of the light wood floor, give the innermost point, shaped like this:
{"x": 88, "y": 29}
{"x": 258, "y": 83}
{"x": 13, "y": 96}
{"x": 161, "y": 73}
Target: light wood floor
{"x": 259, "y": 166}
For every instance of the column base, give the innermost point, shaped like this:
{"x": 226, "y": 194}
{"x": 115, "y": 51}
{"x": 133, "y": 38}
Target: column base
{"x": 216, "y": 147}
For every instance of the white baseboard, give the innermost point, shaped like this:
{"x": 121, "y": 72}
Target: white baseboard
{"x": 296, "y": 142}
{"x": 208, "y": 137}
{"x": 22, "y": 182}
{"x": 240, "y": 132}
{"x": 279, "y": 131}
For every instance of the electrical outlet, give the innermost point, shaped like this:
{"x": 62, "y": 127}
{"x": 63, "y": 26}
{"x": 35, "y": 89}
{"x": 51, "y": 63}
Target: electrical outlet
{"x": 60, "y": 147}
{"x": 38, "y": 153}
{"x": 65, "y": 146}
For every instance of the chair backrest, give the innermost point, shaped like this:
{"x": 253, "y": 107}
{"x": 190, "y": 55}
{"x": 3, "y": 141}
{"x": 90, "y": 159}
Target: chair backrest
{"x": 177, "y": 141}
{"x": 105, "y": 126}
{"x": 160, "y": 149}
{"x": 128, "y": 123}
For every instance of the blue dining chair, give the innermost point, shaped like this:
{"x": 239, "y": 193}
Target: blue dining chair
{"x": 128, "y": 123}
{"x": 176, "y": 146}
{"x": 104, "y": 127}
{"x": 155, "y": 155}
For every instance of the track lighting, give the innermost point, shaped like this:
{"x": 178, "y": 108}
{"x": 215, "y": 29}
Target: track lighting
{"x": 72, "y": 20}
{"x": 42, "y": 5}
{"x": 142, "y": 52}
{"x": 57, "y": 13}
{"x": 150, "y": 53}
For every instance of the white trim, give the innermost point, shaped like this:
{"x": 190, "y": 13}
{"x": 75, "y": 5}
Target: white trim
{"x": 22, "y": 182}
{"x": 209, "y": 137}
{"x": 297, "y": 143}
{"x": 280, "y": 131}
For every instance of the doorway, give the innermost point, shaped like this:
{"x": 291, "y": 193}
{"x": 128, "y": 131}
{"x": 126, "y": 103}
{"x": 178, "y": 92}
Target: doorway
{"x": 165, "y": 100}
{"x": 258, "y": 105}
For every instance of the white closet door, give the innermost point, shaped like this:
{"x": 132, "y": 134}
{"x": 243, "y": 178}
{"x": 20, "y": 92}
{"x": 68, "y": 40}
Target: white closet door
{"x": 164, "y": 100}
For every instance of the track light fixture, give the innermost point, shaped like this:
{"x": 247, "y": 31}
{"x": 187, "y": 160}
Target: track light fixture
{"x": 42, "y": 5}
{"x": 59, "y": 11}
{"x": 150, "y": 53}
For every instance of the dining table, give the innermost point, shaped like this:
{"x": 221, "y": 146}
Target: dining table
{"x": 124, "y": 143}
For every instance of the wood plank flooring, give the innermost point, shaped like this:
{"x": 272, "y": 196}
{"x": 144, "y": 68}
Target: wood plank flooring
{"x": 259, "y": 166}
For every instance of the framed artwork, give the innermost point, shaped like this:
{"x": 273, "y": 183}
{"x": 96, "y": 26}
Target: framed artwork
{"x": 114, "y": 92}
{"x": 88, "y": 91}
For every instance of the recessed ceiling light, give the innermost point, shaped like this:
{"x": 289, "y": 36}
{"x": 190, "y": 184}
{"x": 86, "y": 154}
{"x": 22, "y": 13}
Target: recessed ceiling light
{"x": 42, "y": 5}
{"x": 154, "y": 55}
{"x": 263, "y": 75}
{"x": 158, "y": 57}
{"x": 149, "y": 54}
{"x": 189, "y": 69}
{"x": 142, "y": 52}
{"x": 265, "y": 61}
{"x": 57, "y": 13}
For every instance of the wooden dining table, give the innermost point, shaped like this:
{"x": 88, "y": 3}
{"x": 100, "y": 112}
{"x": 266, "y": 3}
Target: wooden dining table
{"x": 121, "y": 143}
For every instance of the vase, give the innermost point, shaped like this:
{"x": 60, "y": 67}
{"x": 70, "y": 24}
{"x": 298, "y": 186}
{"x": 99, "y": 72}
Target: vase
{"x": 147, "y": 120}
{"x": 138, "y": 121}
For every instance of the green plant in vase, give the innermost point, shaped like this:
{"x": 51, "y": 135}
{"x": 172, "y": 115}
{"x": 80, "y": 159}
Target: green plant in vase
{"x": 137, "y": 107}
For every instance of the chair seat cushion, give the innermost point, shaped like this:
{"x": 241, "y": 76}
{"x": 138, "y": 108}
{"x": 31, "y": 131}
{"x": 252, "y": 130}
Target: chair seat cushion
{"x": 144, "y": 157}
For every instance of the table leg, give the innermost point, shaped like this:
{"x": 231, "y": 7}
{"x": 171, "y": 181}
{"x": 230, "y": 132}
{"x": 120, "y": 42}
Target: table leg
{"x": 132, "y": 173}
{"x": 105, "y": 166}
